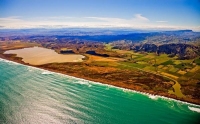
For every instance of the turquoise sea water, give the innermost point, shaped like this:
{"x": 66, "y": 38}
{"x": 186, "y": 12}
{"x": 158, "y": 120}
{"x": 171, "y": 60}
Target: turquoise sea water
{"x": 34, "y": 96}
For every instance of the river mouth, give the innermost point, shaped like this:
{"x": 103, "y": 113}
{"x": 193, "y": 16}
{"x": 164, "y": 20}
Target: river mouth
{"x": 39, "y": 56}
{"x": 177, "y": 90}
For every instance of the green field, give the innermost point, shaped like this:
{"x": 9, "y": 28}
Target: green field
{"x": 185, "y": 72}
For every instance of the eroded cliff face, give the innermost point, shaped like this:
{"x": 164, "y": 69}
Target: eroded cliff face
{"x": 183, "y": 51}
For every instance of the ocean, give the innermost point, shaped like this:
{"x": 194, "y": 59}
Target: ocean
{"x": 29, "y": 95}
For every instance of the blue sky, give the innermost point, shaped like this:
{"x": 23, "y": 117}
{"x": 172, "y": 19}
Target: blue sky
{"x": 139, "y": 14}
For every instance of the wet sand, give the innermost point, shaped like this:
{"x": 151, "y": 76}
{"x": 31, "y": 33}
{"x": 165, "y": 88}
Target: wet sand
{"x": 39, "y": 56}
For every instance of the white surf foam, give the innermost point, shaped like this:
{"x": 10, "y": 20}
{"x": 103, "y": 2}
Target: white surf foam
{"x": 92, "y": 82}
{"x": 153, "y": 97}
{"x": 194, "y": 109}
{"x": 82, "y": 82}
{"x": 47, "y": 72}
{"x": 4, "y": 60}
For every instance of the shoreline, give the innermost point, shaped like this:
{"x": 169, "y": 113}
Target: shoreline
{"x": 151, "y": 95}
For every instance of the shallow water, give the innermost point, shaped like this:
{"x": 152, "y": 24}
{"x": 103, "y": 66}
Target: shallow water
{"x": 39, "y": 55}
{"x": 35, "y": 96}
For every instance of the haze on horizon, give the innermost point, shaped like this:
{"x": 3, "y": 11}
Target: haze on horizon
{"x": 135, "y": 14}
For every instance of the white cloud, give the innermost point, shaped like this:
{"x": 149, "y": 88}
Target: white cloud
{"x": 162, "y": 21}
{"x": 137, "y": 22}
{"x": 140, "y": 17}
{"x": 106, "y": 19}
{"x": 10, "y": 19}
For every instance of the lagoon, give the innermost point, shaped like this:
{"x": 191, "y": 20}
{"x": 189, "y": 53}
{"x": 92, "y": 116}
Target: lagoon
{"x": 39, "y": 56}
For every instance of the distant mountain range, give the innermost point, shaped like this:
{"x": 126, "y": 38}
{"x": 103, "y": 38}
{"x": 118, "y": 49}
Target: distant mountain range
{"x": 183, "y": 43}
{"x": 103, "y": 35}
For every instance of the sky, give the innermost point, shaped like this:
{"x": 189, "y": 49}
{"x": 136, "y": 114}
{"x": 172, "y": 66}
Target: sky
{"x": 135, "y": 14}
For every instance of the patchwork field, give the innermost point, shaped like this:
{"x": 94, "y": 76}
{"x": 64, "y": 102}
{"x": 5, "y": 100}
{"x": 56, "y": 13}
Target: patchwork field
{"x": 185, "y": 72}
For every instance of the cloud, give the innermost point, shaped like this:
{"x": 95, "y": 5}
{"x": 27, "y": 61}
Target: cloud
{"x": 17, "y": 22}
{"x": 197, "y": 28}
{"x": 162, "y": 21}
{"x": 12, "y": 22}
{"x": 140, "y": 17}
{"x": 10, "y": 19}
{"x": 137, "y": 22}
{"x": 106, "y": 19}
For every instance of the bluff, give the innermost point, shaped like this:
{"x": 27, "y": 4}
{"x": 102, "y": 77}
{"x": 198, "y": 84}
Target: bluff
{"x": 183, "y": 51}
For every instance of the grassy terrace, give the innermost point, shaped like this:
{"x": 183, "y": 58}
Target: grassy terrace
{"x": 185, "y": 72}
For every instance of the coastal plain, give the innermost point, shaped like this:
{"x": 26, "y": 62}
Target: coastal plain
{"x": 145, "y": 72}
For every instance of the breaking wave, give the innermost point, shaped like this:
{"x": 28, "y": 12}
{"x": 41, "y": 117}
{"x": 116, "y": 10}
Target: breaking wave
{"x": 194, "y": 109}
{"x": 42, "y": 96}
{"x": 47, "y": 72}
{"x": 89, "y": 83}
